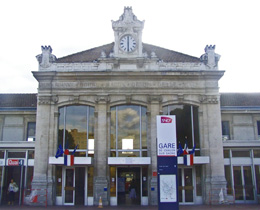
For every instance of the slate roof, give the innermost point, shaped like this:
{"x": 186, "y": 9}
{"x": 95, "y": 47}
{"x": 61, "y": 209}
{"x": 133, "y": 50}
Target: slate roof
{"x": 18, "y": 100}
{"x": 94, "y": 53}
{"x": 240, "y": 99}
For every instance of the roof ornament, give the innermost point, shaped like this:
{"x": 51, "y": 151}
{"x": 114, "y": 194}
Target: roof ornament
{"x": 103, "y": 54}
{"x": 153, "y": 55}
{"x": 46, "y": 58}
{"x": 128, "y": 18}
{"x": 210, "y": 58}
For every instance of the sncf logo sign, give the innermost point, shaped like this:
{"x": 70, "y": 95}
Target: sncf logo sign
{"x": 166, "y": 120}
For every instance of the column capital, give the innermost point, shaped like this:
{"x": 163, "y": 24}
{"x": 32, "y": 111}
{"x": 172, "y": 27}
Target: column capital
{"x": 102, "y": 98}
{"x": 154, "y": 98}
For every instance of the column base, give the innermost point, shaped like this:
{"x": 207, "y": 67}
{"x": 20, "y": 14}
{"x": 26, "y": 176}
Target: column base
{"x": 101, "y": 190}
{"x": 40, "y": 187}
{"x": 215, "y": 190}
{"x": 154, "y": 192}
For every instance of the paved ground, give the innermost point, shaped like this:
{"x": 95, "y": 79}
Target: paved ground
{"x": 193, "y": 207}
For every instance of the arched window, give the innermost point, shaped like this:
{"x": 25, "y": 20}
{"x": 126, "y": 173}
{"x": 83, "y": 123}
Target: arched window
{"x": 76, "y": 128}
{"x": 187, "y": 124}
{"x": 128, "y": 131}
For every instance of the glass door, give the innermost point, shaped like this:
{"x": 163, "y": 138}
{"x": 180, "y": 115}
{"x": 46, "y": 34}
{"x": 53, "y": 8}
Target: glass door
{"x": 69, "y": 186}
{"x": 186, "y": 189}
{"x": 243, "y": 183}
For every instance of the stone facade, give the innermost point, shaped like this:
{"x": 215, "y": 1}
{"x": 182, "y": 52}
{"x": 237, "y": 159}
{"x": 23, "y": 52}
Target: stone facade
{"x": 129, "y": 81}
{"x": 128, "y": 78}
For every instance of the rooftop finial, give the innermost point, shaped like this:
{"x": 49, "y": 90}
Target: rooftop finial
{"x": 210, "y": 58}
{"x": 46, "y": 58}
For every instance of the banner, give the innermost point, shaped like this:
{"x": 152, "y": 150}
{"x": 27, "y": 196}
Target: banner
{"x": 167, "y": 163}
{"x": 166, "y": 136}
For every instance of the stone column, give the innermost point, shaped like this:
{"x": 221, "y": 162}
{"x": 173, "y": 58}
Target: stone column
{"x": 41, "y": 159}
{"x": 154, "y": 111}
{"x": 212, "y": 146}
{"x": 100, "y": 158}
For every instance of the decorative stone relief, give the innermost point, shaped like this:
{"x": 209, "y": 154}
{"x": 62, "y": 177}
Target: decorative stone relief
{"x": 154, "y": 98}
{"x": 74, "y": 98}
{"x": 128, "y": 99}
{"x": 210, "y": 58}
{"x": 127, "y": 18}
{"x": 103, "y": 54}
{"x": 102, "y": 99}
{"x": 43, "y": 100}
{"x": 46, "y": 58}
{"x": 209, "y": 99}
{"x": 180, "y": 98}
{"x": 153, "y": 55}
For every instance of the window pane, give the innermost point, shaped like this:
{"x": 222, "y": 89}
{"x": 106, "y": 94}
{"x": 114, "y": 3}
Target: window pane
{"x": 225, "y": 130}
{"x": 129, "y": 125}
{"x": 113, "y": 181}
{"x": 198, "y": 180}
{"x": 31, "y": 154}
{"x": 91, "y": 127}
{"x": 196, "y": 126}
{"x": 183, "y": 123}
{"x": 128, "y": 154}
{"x": 258, "y": 129}
{"x": 61, "y": 126}
{"x": 29, "y": 177}
{"x": 226, "y": 154}
{"x": 144, "y": 128}
{"x": 145, "y": 181}
{"x": 256, "y": 153}
{"x": 90, "y": 180}
{"x": 16, "y": 154}
{"x": 76, "y": 127}
{"x": 257, "y": 176}
{"x": 229, "y": 180}
{"x": 241, "y": 153}
{"x": 113, "y": 129}
{"x": 2, "y": 154}
{"x": 31, "y": 131}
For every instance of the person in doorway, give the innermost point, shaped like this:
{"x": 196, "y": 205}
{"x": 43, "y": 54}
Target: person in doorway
{"x": 12, "y": 189}
{"x": 132, "y": 191}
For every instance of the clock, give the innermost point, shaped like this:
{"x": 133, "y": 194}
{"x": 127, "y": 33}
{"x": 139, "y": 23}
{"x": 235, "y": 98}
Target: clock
{"x": 127, "y": 43}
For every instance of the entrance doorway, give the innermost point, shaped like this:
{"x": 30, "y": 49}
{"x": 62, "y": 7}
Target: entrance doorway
{"x": 128, "y": 191}
{"x": 74, "y": 186}
{"x": 186, "y": 189}
{"x": 16, "y": 173}
{"x": 243, "y": 183}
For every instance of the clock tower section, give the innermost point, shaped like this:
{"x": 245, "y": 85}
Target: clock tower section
{"x": 128, "y": 35}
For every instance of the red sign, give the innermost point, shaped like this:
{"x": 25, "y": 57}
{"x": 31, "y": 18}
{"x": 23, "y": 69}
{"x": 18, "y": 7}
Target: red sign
{"x": 15, "y": 162}
{"x": 166, "y": 120}
{"x": 154, "y": 173}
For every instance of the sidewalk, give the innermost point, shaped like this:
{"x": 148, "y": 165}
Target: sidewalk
{"x": 186, "y": 207}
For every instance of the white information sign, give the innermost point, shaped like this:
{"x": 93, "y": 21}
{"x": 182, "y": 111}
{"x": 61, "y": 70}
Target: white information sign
{"x": 168, "y": 188}
{"x": 166, "y": 135}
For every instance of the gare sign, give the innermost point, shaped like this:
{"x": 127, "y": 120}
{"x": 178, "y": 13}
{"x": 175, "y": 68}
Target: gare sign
{"x": 15, "y": 162}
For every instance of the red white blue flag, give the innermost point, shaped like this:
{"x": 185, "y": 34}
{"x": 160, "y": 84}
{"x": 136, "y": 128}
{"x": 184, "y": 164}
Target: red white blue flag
{"x": 68, "y": 160}
{"x": 188, "y": 160}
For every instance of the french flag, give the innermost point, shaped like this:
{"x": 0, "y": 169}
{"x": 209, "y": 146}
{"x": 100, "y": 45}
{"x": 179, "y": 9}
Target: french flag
{"x": 68, "y": 160}
{"x": 188, "y": 159}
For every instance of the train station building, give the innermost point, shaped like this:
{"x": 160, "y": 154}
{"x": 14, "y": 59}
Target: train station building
{"x": 89, "y": 133}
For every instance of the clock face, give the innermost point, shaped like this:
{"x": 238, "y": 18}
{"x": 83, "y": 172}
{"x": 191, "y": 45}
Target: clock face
{"x": 127, "y": 43}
